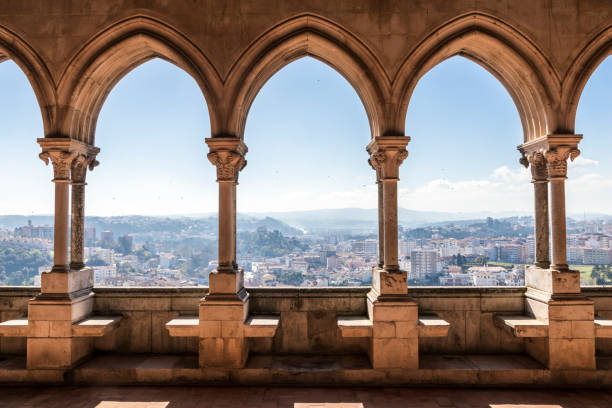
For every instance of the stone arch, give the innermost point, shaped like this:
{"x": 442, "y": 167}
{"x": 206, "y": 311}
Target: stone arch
{"x": 502, "y": 50}
{"x": 16, "y": 49}
{"x": 301, "y": 36}
{"x": 114, "y": 52}
{"x": 587, "y": 61}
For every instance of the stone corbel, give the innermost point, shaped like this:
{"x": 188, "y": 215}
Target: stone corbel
{"x": 556, "y": 159}
{"x": 80, "y": 164}
{"x": 548, "y": 155}
{"x": 227, "y": 154}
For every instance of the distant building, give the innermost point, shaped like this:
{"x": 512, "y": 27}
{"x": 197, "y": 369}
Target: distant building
{"x": 35, "y": 231}
{"x": 107, "y": 237}
{"x": 423, "y": 263}
{"x": 367, "y": 247}
{"x": 596, "y": 256}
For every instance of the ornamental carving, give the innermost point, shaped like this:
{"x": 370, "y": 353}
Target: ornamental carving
{"x": 387, "y": 162}
{"x": 80, "y": 164}
{"x": 537, "y": 160}
{"x": 556, "y": 159}
{"x": 62, "y": 163}
{"x": 228, "y": 164}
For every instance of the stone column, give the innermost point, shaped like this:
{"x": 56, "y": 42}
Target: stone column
{"x": 225, "y": 308}
{"x": 553, "y": 292}
{"x": 394, "y": 316}
{"x": 381, "y": 219}
{"x": 62, "y": 162}
{"x": 227, "y": 154}
{"x": 66, "y": 295}
{"x": 556, "y": 158}
{"x": 77, "y": 222}
{"x": 539, "y": 178}
{"x": 386, "y": 155}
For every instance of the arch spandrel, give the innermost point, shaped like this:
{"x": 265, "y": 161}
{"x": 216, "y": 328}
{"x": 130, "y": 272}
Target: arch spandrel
{"x": 300, "y": 37}
{"x": 588, "y": 60}
{"x": 112, "y": 54}
{"x": 522, "y": 69}
{"x": 16, "y": 49}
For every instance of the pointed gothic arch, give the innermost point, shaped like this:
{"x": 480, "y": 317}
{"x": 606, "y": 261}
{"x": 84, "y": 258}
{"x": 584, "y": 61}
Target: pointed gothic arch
{"x": 587, "y": 61}
{"x": 13, "y": 47}
{"x": 114, "y": 52}
{"x": 301, "y": 36}
{"x": 502, "y": 50}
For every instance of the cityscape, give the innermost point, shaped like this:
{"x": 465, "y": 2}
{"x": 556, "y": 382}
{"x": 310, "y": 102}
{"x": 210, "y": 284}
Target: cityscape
{"x": 138, "y": 251}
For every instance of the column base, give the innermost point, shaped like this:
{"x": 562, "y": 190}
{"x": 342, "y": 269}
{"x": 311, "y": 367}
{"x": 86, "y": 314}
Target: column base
{"x": 50, "y": 344}
{"x": 222, "y": 340}
{"x": 571, "y": 330}
{"x": 395, "y": 338}
{"x": 556, "y": 282}
{"x": 393, "y": 283}
{"x": 71, "y": 284}
{"x": 226, "y": 282}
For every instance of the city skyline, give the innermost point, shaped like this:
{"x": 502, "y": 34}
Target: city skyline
{"x": 441, "y": 174}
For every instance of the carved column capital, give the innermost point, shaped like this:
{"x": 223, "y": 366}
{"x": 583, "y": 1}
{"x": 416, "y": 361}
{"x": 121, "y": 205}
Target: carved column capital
{"x": 227, "y": 154}
{"x": 67, "y": 155}
{"x": 62, "y": 163}
{"x": 556, "y": 159}
{"x": 536, "y": 161}
{"x": 387, "y": 153}
{"x": 80, "y": 164}
{"x": 551, "y": 151}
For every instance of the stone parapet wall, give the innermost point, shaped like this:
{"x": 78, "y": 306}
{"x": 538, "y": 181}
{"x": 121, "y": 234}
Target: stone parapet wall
{"x": 308, "y": 318}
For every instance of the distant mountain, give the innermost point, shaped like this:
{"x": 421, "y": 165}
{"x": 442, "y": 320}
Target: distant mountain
{"x": 367, "y": 219}
{"x": 133, "y": 224}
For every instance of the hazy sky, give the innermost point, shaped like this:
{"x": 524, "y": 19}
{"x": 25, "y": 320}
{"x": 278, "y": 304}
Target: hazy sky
{"x": 306, "y": 133}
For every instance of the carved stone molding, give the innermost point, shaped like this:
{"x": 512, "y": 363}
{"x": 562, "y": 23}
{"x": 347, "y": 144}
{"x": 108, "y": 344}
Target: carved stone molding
{"x": 227, "y": 154}
{"x": 387, "y": 153}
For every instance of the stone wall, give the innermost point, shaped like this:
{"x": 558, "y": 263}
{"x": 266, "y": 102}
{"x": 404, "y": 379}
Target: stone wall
{"x": 308, "y": 318}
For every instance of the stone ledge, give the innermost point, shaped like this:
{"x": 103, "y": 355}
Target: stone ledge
{"x": 603, "y": 328}
{"x": 432, "y": 326}
{"x": 95, "y": 326}
{"x": 355, "y": 326}
{"x": 522, "y": 326}
{"x": 261, "y": 326}
{"x": 14, "y": 328}
{"x": 184, "y": 326}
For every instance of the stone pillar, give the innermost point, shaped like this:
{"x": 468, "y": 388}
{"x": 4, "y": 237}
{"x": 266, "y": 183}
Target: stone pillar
{"x": 66, "y": 295}
{"x": 77, "y": 222}
{"x": 394, "y": 316}
{"x": 553, "y": 293}
{"x": 539, "y": 178}
{"x": 381, "y": 223}
{"x": 224, "y": 310}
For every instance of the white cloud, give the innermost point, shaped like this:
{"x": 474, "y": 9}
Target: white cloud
{"x": 583, "y": 162}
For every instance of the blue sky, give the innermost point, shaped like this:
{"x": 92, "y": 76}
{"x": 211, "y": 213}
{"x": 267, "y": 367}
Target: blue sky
{"x": 306, "y": 134}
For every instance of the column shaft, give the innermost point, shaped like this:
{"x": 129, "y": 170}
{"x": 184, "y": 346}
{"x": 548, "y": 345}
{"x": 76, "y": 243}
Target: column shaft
{"x": 381, "y": 225}
{"x": 226, "y": 225}
{"x": 60, "y": 236}
{"x": 541, "y": 232}
{"x": 557, "y": 213}
{"x": 77, "y": 226}
{"x": 390, "y": 224}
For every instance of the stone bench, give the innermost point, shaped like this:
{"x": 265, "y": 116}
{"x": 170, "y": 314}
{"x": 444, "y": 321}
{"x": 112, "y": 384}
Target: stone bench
{"x": 603, "y": 328}
{"x": 254, "y": 326}
{"x": 432, "y": 326}
{"x": 361, "y": 326}
{"x": 94, "y": 326}
{"x": 14, "y": 328}
{"x": 522, "y": 326}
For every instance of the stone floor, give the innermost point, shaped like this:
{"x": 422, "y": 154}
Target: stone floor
{"x": 246, "y": 397}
